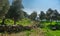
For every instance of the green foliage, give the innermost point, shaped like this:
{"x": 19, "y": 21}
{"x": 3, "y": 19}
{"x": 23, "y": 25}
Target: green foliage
{"x": 4, "y": 7}
{"x": 28, "y": 33}
{"x": 0, "y": 20}
{"x": 24, "y": 22}
{"x": 9, "y": 22}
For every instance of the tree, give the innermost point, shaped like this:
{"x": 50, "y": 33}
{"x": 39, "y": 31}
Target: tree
{"x": 56, "y": 15}
{"x": 42, "y": 15}
{"x": 49, "y": 14}
{"x": 33, "y": 15}
{"x": 15, "y": 11}
{"x": 25, "y": 14}
{"x": 4, "y": 7}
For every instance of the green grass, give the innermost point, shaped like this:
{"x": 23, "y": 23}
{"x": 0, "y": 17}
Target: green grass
{"x": 52, "y": 33}
{"x": 49, "y": 32}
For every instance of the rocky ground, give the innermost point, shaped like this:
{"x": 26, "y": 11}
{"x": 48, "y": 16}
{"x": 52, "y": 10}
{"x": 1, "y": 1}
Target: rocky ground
{"x": 34, "y": 32}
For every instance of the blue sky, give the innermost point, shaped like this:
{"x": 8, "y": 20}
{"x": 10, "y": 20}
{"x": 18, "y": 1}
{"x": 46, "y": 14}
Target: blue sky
{"x": 40, "y": 5}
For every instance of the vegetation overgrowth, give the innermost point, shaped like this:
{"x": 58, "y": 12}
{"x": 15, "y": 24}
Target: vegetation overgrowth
{"x": 14, "y": 19}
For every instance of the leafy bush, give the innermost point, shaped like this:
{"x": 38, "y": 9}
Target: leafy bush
{"x": 24, "y": 22}
{"x": 9, "y": 22}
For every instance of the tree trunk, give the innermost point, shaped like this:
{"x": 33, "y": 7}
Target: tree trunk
{"x": 51, "y": 22}
{"x": 3, "y": 22}
{"x": 14, "y": 22}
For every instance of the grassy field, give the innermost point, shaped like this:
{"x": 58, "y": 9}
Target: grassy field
{"x": 49, "y": 32}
